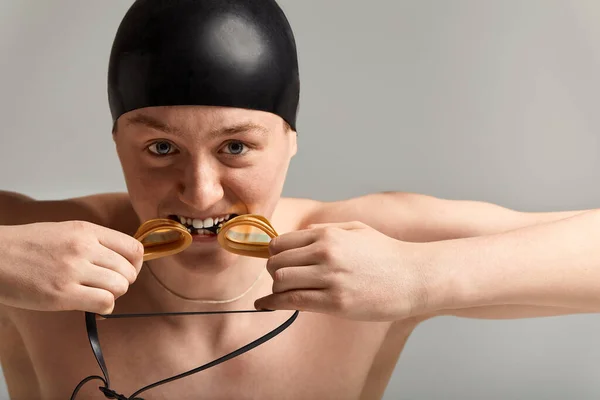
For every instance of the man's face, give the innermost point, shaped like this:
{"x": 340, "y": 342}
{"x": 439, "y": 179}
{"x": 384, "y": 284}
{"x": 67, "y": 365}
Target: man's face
{"x": 203, "y": 163}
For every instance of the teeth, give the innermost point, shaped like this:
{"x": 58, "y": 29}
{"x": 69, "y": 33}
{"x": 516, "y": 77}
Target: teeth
{"x": 206, "y": 223}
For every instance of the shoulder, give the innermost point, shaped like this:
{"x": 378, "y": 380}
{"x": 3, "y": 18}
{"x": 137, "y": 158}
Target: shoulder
{"x": 111, "y": 210}
{"x": 389, "y": 212}
{"x": 375, "y": 210}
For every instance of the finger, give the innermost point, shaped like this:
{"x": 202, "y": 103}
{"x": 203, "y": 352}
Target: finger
{"x": 91, "y": 299}
{"x": 106, "y": 279}
{"x": 125, "y": 245}
{"x": 295, "y": 257}
{"x": 291, "y": 240}
{"x": 298, "y": 278}
{"x": 302, "y": 300}
{"x": 349, "y": 225}
{"x": 107, "y": 258}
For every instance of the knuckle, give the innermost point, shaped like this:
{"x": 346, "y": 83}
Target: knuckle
{"x": 137, "y": 249}
{"x": 57, "y": 296}
{"x": 131, "y": 275}
{"x": 79, "y": 246}
{"x": 59, "y": 283}
{"x": 272, "y": 264}
{"x": 118, "y": 284}
{"x": 329, "y": 232}
{"x": 106, "y": 303}
{"x": 320, "y": 252}
{"x": 78, "y": 225}
{"x": 274, "y": 245}
{"x": 339, "y": 300}
{"x": 325, "y": 253}
{"x": 330, "y": 277}
{"x": 295, "y": 298}
{"x": 269, "y": 264}
{"x": 279, "y": 275}
{"x": 329, "y": 255}
{"x": 120, "y": 287}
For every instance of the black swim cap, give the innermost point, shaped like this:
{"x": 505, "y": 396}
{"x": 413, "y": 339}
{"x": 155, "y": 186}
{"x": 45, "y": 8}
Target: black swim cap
{"x": 236, "y": 53}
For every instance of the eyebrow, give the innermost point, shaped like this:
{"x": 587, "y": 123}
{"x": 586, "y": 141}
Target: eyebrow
{"x": 146, "y": 120}
{"x": 239, "y": 128}
{"x": 150, "y": 122}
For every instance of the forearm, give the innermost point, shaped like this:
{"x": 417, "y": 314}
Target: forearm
{"x": 556, "y": 264}
{"x": 510, "y": 311}
{"x": 427, "y": 219}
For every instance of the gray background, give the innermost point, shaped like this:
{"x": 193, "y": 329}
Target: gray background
{"x": 478, "y": 99}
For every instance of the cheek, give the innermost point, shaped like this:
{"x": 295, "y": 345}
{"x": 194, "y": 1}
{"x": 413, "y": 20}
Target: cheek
{"x": 147, "y": 188}
{"x": 259, "y": 187}
{"x": 150, "y": 183}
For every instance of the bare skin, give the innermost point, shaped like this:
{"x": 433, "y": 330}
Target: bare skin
{"x": 322, "y": 355}
{"x": 355, "y": 358}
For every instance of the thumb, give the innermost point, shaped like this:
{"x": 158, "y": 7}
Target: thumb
{"x": 302, "y": 300}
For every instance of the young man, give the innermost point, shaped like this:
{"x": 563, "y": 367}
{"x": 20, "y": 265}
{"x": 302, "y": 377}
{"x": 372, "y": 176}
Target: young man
{"x": 204, "y": 97}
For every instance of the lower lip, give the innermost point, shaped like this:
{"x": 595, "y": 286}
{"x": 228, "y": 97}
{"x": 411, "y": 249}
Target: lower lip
{"x": 204, "y": 238}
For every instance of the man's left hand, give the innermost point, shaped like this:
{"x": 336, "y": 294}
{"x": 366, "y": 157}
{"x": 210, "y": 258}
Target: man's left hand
{"x": 349, "y": 270}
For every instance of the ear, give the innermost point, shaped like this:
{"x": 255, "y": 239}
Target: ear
{"x": 114, "y": 130}
{"x": 294, "y": 142}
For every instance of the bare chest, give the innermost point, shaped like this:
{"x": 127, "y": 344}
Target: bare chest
{"x": 316, "y": 357}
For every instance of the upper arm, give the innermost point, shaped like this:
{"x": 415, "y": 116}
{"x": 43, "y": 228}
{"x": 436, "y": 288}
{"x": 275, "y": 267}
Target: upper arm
{"x": 421, "y": 218}
{"x": 112, "y": 210}
{"x": 12, "y": 206}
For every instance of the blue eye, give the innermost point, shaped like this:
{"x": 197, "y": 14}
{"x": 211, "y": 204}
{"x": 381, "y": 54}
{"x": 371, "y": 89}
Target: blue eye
{"x": 235, "y": 148}
{"x": 161, "y": 148}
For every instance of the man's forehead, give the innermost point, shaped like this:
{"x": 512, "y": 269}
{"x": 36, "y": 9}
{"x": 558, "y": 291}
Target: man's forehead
{"x": 212, "y": 120}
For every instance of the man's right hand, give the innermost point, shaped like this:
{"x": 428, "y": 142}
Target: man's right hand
{"x": 64, "y": 266}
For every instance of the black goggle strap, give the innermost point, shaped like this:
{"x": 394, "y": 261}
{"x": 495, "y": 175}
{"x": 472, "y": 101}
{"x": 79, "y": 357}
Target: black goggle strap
{"x": 92, "y": 331}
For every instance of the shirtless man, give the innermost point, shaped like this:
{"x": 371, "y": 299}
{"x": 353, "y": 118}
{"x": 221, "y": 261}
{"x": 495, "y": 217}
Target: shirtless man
{"x": 204, "y": 96}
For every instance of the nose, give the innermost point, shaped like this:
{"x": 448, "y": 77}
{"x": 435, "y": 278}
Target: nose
{"x": 201, "y": 186}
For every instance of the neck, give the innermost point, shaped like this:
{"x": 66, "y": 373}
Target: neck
{"x": 176, "y": 287}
